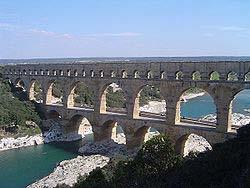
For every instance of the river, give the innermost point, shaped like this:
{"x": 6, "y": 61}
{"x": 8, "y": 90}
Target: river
{"x": 21, "y": 167}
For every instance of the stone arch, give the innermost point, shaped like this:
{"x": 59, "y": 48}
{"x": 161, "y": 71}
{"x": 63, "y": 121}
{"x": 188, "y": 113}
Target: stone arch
{"x": 239, "y": 109}
{"x": 111, "y": 130}
{"x": 35, "y": 91}
{"x": 24, "y": 72}
{"x": 196, "y": 75}
{"x": 83, "y": 73}
{"x": 150, "y": 74}
{"x": 19, "y": 83}
{"x": 101, "y": 73}
{"x": 191, "y": 143}
{"x": 124, "y": 74}
{"x": 112, "y": 98}
{"x": 54, "y": 93}
{"x": 78, "y": 127}
{"x": 232, "y": 76}
{"x": 145, "y": 94}
{"x": 112, "y": 74}
{"x": 214, "y": 75}
{"x": 188, "y": 94}
{"x": 80, "y": 95}
{"x": 163, "y": 75}
{"x": 247, "y": 76}
{"x": 136, "y": 74}
{"x": 92, "y": 73}
{"x": 179, "y": 75}
{"x": 75, "y": 72}
{"x": 61, "y": 72}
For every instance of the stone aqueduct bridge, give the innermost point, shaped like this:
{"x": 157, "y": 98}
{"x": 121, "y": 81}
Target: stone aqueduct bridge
{"x": 132, "y": 77}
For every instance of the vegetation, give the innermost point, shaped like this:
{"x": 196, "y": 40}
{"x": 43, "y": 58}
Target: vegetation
{"x": 115, "y": 99}
{"x": 14, "y": 113}
{"x": 157, "y": 165}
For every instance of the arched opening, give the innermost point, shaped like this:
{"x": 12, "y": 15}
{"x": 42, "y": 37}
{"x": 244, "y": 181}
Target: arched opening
{"x": 149, "y": 103}
{"x": 136, "y": 74}
{"x": 191, "y": 144}
{"x": 214, "y": 75}
{"x": 232, "y": 76}
{"x": 196, "y": 75}
{"x": 240, "y": 109}
{"x": 179, "y": 75}
{"x": 163, "y": 75}
{"x": 112, "y": 130}
{"x": 150, "y": 75}
{"x": 20, "y": 84}
{"x": 81, "y": 96}
{"x": 35, "y": 91}
{"x": 113, "y": 99}
{"x": 124, "y": 74}
{"x": 55, "y": 93}
{"x": 78, "y": 128}
{"x": 196, "y": 106}
{"x": 247, "y": 76}
{"x": 151, "y": 132}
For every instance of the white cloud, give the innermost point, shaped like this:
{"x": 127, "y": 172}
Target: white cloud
{"x": 124, "y": 34}
{"x": 51, "y": 34}
{"x": 231, "y": 28}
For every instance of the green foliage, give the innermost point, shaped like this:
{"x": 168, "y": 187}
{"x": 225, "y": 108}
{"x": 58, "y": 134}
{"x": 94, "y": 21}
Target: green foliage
{"x": 84, "y": 96}
{"x": 57, "y": 89}
{"x": 149, "y": 93}
{"x": 16, "y": 112}
{"x": 38, "y": 91}
{"x": 215, "y": 76}
{"x": 115, "y": 99}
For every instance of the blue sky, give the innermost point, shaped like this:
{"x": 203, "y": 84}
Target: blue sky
{"x": 119, "y": 28}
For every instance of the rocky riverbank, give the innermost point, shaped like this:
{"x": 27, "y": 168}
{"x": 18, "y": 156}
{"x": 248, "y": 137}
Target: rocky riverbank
{"x": 68, "y": 171}
{"x": 12, "y": 143}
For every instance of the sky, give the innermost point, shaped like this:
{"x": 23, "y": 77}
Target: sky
{"x": 124, "y": 28}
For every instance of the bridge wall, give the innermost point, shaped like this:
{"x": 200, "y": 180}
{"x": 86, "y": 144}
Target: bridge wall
{"x": 132, "y": 77}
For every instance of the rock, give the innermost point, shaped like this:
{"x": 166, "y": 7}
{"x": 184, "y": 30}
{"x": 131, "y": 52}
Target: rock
{"x": 196, "y": 144}
{"x": 11, "y": 143}
{"x": 67, "y": 172}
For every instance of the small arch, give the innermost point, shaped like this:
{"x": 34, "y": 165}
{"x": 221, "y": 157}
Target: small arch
{"x": 112, "y": 74}
{"x": 19, "y": 71}
{"x": 150, "y": 75}
{"x": 54, "y": 72}
{"x": 30, "y": 72}
{"x": 247, "y": 77}
{"x": 101, "y": 73}
{"x": 163, "y": 75}
{"x": 191, "y": 143}
{"x": 68, "y": 72}
{"x": 83, "y": 73}
{"x": 75, "y": 73}
{"x": 179, "y": 75}
{"x": 35, "y": 72}
{"x": 232, "y": 76}
{"x": 124, "y": 74}
{"x": 47, "y": 72}
{"x": 214, "y": 75}
{"x": 196, "y": 75}
{"x": 136, "y": 74}
{"x": 41, "y": 72}
{"x": 61, "y": 72}
{"x": 24, "y": 72}
{"x": 92, "y": 73}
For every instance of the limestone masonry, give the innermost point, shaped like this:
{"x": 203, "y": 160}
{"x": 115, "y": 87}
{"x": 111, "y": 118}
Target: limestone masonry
{"x": 172, "y": 78}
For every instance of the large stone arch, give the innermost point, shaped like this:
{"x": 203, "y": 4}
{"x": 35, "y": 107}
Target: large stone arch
{"x": 77, "y": 127}
{"x": 202, "y": 144}
{"x": 71, "y": 91}
{"x": 137, "y": 93}
{"x": 31, "y": 89}
{"x": 103, "y": 95}
{"x": 48, "y": 90}
{"x": 181, "y": 90}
